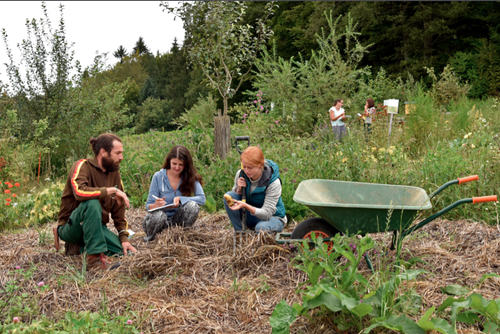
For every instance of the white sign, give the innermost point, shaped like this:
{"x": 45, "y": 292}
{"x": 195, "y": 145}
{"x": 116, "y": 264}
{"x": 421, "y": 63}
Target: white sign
{"x": 392, "y": 106}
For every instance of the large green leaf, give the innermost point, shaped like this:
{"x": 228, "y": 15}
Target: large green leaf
{"x": 490, "y": 328}
{"x": 400, "y": 324}
{"x": 362, "y": 309}
{"x": 468, "y": 317}
{"x": 281, "y": 319}
{"x": 325, "y": 298}
{"x": 455, "y": 289}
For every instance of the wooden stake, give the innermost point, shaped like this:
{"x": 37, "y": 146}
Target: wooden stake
{"x": 39, "y": 161}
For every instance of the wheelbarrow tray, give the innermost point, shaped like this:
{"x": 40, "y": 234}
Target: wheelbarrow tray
{"x": 353, "y": 207}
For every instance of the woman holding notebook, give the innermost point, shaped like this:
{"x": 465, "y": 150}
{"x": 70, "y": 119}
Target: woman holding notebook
{"x": 175, "y": 194}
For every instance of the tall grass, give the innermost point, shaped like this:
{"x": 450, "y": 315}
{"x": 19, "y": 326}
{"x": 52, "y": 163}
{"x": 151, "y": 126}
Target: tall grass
{"x": 426, "y": 150}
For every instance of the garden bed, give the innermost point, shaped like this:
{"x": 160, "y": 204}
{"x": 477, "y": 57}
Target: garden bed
{"x": 190, "y": 281}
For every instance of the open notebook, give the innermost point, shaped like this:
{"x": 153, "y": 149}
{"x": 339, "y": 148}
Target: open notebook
{"x": 166, "y": 207}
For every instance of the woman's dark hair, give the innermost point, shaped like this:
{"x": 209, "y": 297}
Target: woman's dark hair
{"x": 104, "y": 141}
{"x": 337, "y": 101}
{"x": 189, "y": 174}
{"x": 371, "y": 104}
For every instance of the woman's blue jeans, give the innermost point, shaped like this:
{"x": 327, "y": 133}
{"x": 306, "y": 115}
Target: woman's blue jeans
{"x": 253, "y": 223}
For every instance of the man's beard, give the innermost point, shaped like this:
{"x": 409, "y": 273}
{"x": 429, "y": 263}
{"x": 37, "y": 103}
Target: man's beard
{"x": 109, "y": 165}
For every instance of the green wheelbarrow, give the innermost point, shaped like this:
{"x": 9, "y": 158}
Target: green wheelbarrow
{"x": 361, "y": 208}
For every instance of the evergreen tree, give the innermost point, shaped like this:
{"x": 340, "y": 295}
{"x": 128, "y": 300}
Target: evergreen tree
{"x": 148, "y": 90}
{"x": 140, "y": 47}
{"x": 120, "y": 53}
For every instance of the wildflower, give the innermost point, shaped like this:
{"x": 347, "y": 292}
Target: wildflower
{"x": 17, "y": 184}
{"x": 258, "y": 145}
{"x": 267, "y": 111}
{"x": 464, "y": 144}
{"x": 18, "y": 267}
{"x": 245, "y": 115}
{"x": 353, "y": 246}
{"x": 8, "y": 200}
{"x": 14, "y": 205}
{"x": 344, "y": 160}
{"x": 255, "y": 101}
{"x": 10, "y": 185}
{"x": 15, "y": 320}
{"x": 256, "y": 113}
{"x": 260, "y": 92}
{"x": 41, "y": 283}
{"x": 277, "y": 122}
{"x": 473, "y": 146}
{"x": 243, "y": 122}
{"x": 466, "y": 136}
{"x": 261, "y": 108}
{"x": 7, "y": 203}
{"x": 129, "y": 322}
{"x": 321, "y": 277}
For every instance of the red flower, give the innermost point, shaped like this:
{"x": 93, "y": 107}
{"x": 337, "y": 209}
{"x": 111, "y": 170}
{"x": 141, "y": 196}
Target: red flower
{"x": 7, "y": 203}
{"x": 14, "y": 195}
{"x": 7, "y": 191}
{"x": 8, "y": 200}
{"x": 10, "y": 185}
{"x": 17, "y": 184}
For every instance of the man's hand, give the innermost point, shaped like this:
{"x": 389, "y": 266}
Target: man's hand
{"x": 127, "y": 246}
{"x": 121, "y": 196}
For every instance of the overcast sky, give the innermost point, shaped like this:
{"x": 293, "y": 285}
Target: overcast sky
{"x": 93, "y": 26}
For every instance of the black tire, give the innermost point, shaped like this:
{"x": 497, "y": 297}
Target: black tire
{"x": 313, "y": 224}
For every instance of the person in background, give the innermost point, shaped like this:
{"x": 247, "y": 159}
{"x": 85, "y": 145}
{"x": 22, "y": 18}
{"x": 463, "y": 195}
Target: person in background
{"x": 337, "y": 117}
{"x": 176, "y": 183}
{"x": 370, "y": 111}
{"x": 262, "y": 184}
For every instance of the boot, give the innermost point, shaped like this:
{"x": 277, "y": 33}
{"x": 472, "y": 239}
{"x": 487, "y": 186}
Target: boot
{"x": 96, "y": 260}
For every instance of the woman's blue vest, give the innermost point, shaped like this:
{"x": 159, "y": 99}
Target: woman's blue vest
{"x": 270, "y": 173}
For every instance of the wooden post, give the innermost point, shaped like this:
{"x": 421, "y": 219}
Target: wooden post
{"x": 222, "y": 135}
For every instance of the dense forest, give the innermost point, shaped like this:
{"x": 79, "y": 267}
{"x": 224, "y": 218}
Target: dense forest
{"x": 403, "y": 38}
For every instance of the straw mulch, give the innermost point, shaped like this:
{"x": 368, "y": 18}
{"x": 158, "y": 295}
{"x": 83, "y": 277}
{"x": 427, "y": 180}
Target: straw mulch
{"x": 189, "y": 281}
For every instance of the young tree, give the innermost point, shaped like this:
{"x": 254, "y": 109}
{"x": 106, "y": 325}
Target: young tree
{"x": 120, "y": 53}
{"x": 218, "y": 44}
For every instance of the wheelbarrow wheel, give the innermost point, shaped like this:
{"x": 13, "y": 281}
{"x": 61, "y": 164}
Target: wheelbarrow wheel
{"x": 318, "y": 226}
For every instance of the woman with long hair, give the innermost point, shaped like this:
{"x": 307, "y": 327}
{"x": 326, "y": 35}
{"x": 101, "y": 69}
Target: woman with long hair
{"x": 261, "y": 183}
{"x": 175, "y": 194}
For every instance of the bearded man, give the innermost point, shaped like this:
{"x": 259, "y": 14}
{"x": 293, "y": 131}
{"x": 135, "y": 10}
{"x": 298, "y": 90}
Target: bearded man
{"x": 93, "y": 191}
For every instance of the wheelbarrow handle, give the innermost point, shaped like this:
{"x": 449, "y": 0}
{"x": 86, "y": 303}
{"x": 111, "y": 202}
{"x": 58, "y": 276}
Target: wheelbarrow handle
{"x": 484, "y": 199}
{"x": 241, "y": 138}
{"x": 468, "y": 179}
{"x": 458, "y": 180}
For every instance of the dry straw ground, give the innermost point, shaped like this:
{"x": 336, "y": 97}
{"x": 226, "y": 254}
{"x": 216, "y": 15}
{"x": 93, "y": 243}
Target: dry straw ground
{"x": 188, "y": 281}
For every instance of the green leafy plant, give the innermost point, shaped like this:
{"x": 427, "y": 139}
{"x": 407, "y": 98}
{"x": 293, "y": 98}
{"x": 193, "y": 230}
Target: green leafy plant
{"x": 47, "y": 204}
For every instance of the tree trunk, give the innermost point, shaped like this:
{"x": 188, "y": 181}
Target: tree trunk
{"x": 222, "y": 134}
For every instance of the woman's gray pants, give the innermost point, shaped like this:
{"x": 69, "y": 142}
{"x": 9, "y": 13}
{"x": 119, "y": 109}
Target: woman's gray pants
{"x": 157, "y": 221}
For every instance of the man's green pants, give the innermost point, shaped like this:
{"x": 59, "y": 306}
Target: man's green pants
{"x": 85, "y": 228}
